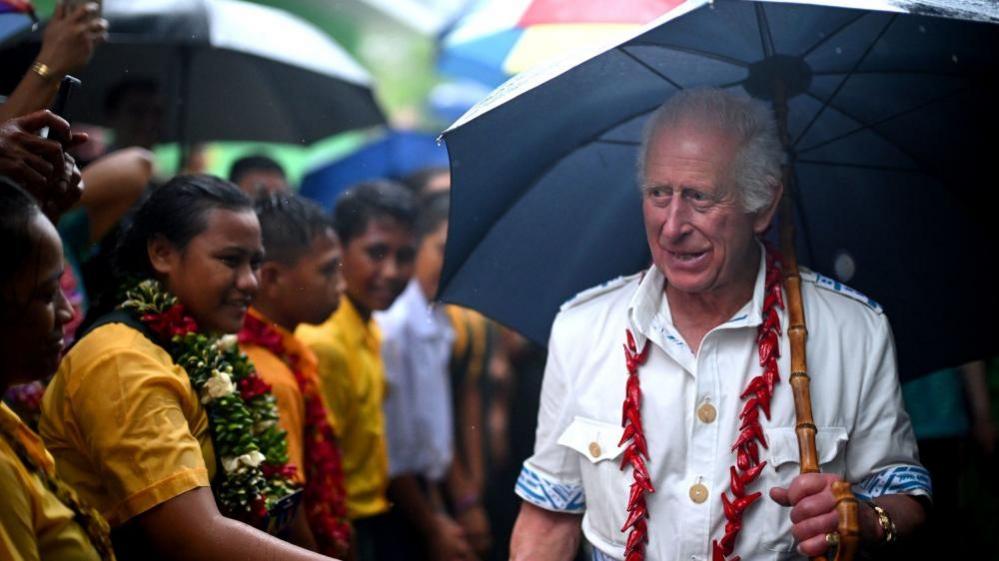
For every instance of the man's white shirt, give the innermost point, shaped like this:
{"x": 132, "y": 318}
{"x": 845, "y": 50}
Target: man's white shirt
{"x": 416, "y": 349}
{"x": 864, "y": 433}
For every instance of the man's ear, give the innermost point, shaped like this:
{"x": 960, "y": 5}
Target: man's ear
{"x": 163, "y": 255}
{"x": 765, "y": 215}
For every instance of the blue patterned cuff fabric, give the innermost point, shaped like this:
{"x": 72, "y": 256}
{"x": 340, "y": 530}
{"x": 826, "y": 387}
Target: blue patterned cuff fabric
{"x": 905, "y": 480}
{"x": 549, "y": 494}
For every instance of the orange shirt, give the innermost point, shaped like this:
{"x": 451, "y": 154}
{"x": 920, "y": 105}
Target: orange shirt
{"x": 284, "y": 386}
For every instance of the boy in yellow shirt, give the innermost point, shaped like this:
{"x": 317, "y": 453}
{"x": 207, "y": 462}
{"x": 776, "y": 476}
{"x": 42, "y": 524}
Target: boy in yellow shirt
{"x": 375, "y": 224}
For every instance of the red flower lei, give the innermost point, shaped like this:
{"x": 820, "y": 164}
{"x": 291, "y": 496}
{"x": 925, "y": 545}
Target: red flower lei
{"x": 747, "y": 468}
{"x": 325, "y": 494}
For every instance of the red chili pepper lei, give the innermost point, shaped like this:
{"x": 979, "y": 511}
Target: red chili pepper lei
{"x": 747, "y": 468}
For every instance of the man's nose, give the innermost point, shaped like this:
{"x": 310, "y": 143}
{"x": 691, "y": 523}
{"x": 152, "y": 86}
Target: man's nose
{"x": 676, "y": 220}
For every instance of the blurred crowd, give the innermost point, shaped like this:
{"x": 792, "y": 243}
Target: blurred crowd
{"x": 399, "y": 407}
{"x": 401, "y": 421}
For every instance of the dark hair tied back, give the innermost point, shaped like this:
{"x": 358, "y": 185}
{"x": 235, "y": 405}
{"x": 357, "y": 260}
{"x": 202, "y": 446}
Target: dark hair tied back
{"x": 17, "y": 209}
{"x": 178, "y": 212}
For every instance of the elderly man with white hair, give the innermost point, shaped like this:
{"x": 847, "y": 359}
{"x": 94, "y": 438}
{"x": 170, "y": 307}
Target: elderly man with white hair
{"x": 682, "y": 447}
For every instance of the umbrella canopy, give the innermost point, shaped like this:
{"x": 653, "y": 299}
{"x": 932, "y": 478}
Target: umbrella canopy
{"x": 16, "y": 17}
{"x": 230, "y": 70}
{"x": 503, "y": 37}
{"x": 393, "y": 156}
{"x": 13, "y": 24}
{"x": 891, "y": 117}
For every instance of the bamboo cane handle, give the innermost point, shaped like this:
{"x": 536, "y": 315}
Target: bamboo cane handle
{"x": 846, "y": 503}
{"x": 849, "y": 527}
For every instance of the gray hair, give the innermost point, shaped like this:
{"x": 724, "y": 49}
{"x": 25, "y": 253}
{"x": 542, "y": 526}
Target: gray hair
{"x": 757, "y": 166}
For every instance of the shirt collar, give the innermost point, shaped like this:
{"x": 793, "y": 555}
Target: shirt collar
{"x": 12, "y": 425}
{"x": 650, "y": 300}
{"x": 347, "y": 319}
{"x": 292, "y": 345}
{"x": 425, "y": 318}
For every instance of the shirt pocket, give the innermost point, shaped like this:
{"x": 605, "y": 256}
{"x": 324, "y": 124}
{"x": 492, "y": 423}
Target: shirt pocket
{"x": 783, "y": 465}
{"x": 605, "y": 484}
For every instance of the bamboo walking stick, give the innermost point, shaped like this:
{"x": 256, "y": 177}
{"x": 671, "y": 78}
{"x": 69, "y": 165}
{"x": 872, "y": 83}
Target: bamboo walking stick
{"x": 846, "y": 503}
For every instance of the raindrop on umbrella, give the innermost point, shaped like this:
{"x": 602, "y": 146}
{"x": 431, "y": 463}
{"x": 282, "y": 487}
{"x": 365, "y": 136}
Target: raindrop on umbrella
{"x": 844, "y": 266}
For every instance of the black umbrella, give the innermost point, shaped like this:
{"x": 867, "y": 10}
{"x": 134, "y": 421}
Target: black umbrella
{"x": 228, "y": 70}
{"x": 891, "y": 117}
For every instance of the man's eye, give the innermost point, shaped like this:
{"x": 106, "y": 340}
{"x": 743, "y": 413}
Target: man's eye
{"x": 377, "y": 254}
{"x": 660, "y": 194}
{"x": 230, "y": 261}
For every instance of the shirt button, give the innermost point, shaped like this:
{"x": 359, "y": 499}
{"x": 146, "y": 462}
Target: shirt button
{"x": 594, "y": 449}
{"x": 698, "y": 493}
{"x": 707, "y": 413}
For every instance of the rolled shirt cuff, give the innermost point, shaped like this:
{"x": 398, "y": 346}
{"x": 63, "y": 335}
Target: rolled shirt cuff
{"x": 550, "y": 494}
{"x": 895, "y": 480}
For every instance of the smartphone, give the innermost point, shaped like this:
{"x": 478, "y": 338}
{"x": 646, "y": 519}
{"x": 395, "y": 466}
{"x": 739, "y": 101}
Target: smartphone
{"x": 68, "y": 85}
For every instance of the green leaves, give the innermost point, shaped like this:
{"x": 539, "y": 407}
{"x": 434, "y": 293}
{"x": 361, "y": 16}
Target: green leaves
{"x": 239, "y": 427}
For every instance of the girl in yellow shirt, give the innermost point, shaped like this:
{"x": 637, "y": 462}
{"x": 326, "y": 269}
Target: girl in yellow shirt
{"x": 125, "y": 415}
{"x": 41, "y": 517}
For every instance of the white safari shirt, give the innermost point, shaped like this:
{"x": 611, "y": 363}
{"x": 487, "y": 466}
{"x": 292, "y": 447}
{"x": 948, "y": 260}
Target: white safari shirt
{"x": 863, "y": 431}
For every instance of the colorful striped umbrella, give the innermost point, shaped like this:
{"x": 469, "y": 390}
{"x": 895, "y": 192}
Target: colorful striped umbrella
{"x": 16, "y": 6}
{"x": 500, "y": 38}
{"x": 16, "y": 17}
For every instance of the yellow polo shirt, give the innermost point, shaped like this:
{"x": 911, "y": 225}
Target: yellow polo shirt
{"x": 352, "y": 378}
{"x": 284, "y": 386}
{"x": 34, "y": 523}
{"x": 124, "y": 424}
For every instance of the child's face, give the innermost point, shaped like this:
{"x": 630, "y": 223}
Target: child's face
{"x": 378, "y": 263}
{"x": 310, "y": 290}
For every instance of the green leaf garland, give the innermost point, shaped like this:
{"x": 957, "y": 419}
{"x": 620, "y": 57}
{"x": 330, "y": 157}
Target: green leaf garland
{"x": 242, "y": 413}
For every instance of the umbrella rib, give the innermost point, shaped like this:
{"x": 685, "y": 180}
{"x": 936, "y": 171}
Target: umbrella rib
{"x": 858, "y": 166}
{"x": 618, "y": 142}
{"x": 891, "y": 73}
{"x": 838, "y": 30}
{"x": 843, "y": 82}
{"x": 650, "y": 69}
{"x": 691, "y": 51}
{"x": 766, "y": 38}
{"x": 870, "y": 126}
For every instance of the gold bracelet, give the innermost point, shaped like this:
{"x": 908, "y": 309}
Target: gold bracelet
{"x": 43, "y": 70}
{"x": 889, "y": 535}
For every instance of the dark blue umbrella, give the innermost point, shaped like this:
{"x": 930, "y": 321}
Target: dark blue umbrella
{"x": 393, "y": 156}
{"x": 13, "y": 25}
{"x": 892, "y": 118}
